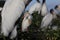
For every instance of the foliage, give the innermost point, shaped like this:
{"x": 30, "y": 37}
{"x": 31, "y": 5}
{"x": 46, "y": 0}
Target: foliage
{"x": 35, "y": 31}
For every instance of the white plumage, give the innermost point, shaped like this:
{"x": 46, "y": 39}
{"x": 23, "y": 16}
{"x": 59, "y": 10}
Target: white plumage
{"x": 14, "y": 33}
{"x": 48, "y": 18}
{"x": 0, "y": 8}
{"x": 12, "y": 10}
{"x": 44, "y": 8}
{"x": 26, "y": 21}
{"x": 35, "y": 7}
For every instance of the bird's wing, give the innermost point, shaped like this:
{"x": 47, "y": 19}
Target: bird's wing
{"x": 46, "y": 20}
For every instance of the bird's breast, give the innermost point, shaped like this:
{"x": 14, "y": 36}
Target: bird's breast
{"x": 15, "y": 8}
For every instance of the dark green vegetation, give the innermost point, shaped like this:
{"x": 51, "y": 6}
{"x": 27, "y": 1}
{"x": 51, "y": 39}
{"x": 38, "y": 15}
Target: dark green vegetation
{"x": 35, "y": 31}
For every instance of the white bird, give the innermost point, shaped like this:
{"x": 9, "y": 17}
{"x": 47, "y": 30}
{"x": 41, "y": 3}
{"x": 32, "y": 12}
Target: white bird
{"x": 44, "y": 8}
{"x": 48, "y": 18}
{"x": 26, "y": 21}
{"x": 12, "y": 10}
{"x": 35, "y": 7}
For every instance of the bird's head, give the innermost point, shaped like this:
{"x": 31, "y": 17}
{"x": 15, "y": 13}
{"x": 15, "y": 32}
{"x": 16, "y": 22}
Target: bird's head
{"x": 51, "y": 11}
{"x": 57, "y": 7}
{"x": 25, "y": 15}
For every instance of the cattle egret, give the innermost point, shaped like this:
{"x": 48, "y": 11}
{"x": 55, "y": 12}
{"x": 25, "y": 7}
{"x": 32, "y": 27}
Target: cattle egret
{"x": 26, "y": 21}
{"x": 48, "y": 18}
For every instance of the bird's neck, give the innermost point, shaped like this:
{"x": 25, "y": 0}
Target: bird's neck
{"x": 38, "y": 1}
{"x": 43, "y": 1}
{"x": 53, "y": 13}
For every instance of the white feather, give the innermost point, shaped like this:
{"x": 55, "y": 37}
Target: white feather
{"x": 14, "y": 33}
{"x": 35, "y": 7}
{"x": 46, "y": 20}
{"x": 12, "y": 10}
{"x": 44, "y": 10}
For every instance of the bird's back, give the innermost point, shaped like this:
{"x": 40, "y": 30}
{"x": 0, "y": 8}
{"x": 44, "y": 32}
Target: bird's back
{"x": 46, "y": 20}
{"x": 44, "y": 10}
